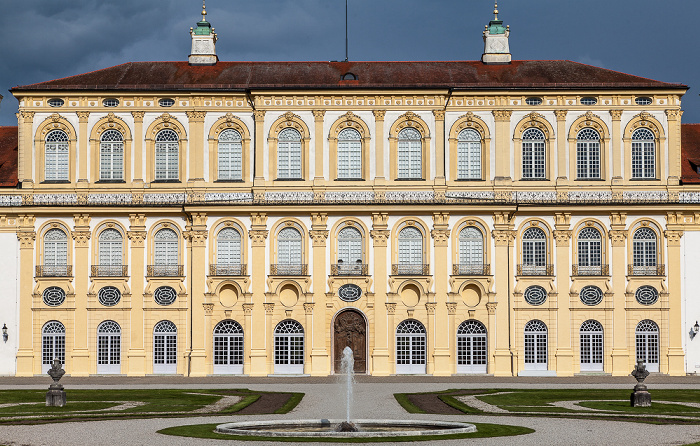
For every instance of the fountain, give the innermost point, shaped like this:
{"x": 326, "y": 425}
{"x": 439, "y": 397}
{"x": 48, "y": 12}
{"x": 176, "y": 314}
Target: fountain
{"x": 325, "y": 428}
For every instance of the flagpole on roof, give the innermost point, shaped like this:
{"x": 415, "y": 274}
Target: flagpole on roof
{"x": 346, "y": 30}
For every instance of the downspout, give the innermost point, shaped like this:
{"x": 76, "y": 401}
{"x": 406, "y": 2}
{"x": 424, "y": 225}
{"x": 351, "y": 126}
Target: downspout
{"x": 188, "y": 219}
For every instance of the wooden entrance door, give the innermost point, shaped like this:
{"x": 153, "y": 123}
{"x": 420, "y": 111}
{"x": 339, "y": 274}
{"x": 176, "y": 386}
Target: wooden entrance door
{"x": 350, "y": 330}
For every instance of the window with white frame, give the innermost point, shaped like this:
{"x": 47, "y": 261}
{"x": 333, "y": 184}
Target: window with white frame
{"x": 349, "y": 246}
{"x": 591, "y": 341}
{"x": 471, "y": 251}
{"x": 109, "y": 336}
{"x": 110, "y": 247}
{"x": 164, "y": 348}
{"x": 111, "y": 155}
{"x": 533, "y": 154}
{"x": 289, "y": 154}
{"x": 228, "y": 348}
{"x": 55, "y": 248}
{"x": 643, "y": 154}
{"x": 167, "y": 153}
{"x": 56, "y": 156}
{"x": 228, "y": 247}
{"x": 471, "y": 347}
{"x": 289, "y": 244}
{"x": 644, "y": 250}
{"x": 410, "y": 246}
{"x": 410, "y": 165}
{"x": 647, "y": 343}
{"x": 289, "y": 347}
{"x": 349, "y": 154}
{"x": 410, "y": 347}
{"x": 588, "y": 154}
{"x": 469, "y": 155}
{"x": 589, "y": 246}
{"x": 535, "y": 345}
{"x": 53, "y": 344}
{"x": 230, "y": 152}
{"x": 534, "y": 251}
{"x": 165, "y": 247}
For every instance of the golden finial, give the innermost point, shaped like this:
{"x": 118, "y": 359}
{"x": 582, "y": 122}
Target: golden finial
{"x": 204, "y": 10}
{"x": 495, "y": 10}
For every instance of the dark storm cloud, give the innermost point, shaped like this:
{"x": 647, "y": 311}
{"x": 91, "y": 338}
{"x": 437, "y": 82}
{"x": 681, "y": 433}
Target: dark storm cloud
{"x": 49, "y": 39}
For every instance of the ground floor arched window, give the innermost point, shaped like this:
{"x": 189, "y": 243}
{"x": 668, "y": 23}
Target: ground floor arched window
{"x": 53, "y": 344}
{"x": 165, "y": 348}
{"x": 228, "y": 348}
{"x": 410, "y": 347}
{"x": 591, "y": 337}
{"x": 289, "y": 348}
{"x": 471, "y": 347}
{"x": 647, "y": 342}
{"x": 109, "y": 340}
{"x": 535, "y": 345}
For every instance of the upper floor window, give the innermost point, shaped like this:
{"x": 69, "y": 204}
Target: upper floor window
{"x": 110, "y": 247}
{"x": 643, "y": 154}
{"x": 228, "y": 247}
{"x": 643, "y": 100}
{"x": 230, "y": 155}
{"x": 166, "y": 102}
{"x": 533, "y": 101}
{"x": 349, "y": 154}
{"x": 410, "y": 246}
{"x": 644, "y": 248}
{"x": 111, "y": 155}
{"x": 410, "y": 164}
{"x": 349, "y": 246}
{"x": 533, "y": 154}
{"x": 289, "y": 154}
{"x": 165, "y": 247}
{"x": 589, "y": 250}
{"x": 110, "y": 102}
{"x": 289, "y": 244}
{"x": 534, "y": 248}
{"x": 588, "y": 154}
{"x": 471, "y": 246}
{"x": 469, "y": 155}
{"x": 55, "y": 248}
{"x": 56, "y": 156}
{"x": 167, "y": 148}
{"x": 56, "y": 102}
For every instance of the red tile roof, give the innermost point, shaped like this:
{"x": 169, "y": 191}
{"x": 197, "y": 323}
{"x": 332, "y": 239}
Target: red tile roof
{"x": 8, "y": 156}
{"x": 690, "y": 153}
{"x": 470, "y": 75}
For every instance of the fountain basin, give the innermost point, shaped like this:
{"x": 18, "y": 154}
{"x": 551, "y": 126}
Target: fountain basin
{"x": 326, "y": 428}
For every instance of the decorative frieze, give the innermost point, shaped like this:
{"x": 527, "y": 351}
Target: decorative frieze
{"x": 289, "y": 197}
{"x": 651, "y": 195}
{"x": 228, "y": 197}
{"x": 10, "y": 200}
{"x": 164, "y": 198}
{"x": 109, "y": 199}
{"x": 535, "y": 196}
{"x": 349, "y": 197}
{"x": 470, "y": 195}
{"x": 689, "y": 197}
{"x": 58, "y": 199}
{"x": 579, "y": 195}
{"x": 409, "y": 196}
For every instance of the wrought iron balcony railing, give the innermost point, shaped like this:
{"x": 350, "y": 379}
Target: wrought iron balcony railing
{"x": 289, "y": 269}
{"x": 535, "y": 270}
{"x": 165, "y": 270}
{"x": 590, "y": 270}
{"x": 54, "y": 270}
{"x": 109, "y": 270}
{"x": 471, "y": 269}
{"x": 651, "y": 270}
{"x": 407, "y": 269}
{"x": 218, "y": 269}
{"x": 349, "y": 269}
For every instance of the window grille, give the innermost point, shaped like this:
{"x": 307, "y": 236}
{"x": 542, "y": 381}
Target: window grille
{"x": 56, "y": 156}
{"x": 591, "y": 295}
{"x": 643, "y": 100}
{"x": 349, "y": 154}
{"x": 55, "y": 248}
{"x": 289, "y": 154}
{"x": 53, "y": 296}
{"x": 646, "y": 295}
{"x": 471, "y": 347}
{"x": 647, "y": 342}
{"x": 535, "y": 295}
{"x": 533, "y": 154}
{"x": 164, "y": 347}
{"x": 410, "y": 246}
{"x": 289, "y": 245}
{"x": 53, "y": 344}
{"x": 166, "y": 247}
{"x": 230, "y": 155}
{"x": 228, "y": 247}
{"x": 167, "y": 148}
{"x": 289, "y": 347}
{"x": 56, "y": 102}
{"x": 111, "y": 155}
{"x": 591, "y": 342}
{"x": 165, "y": 295}
{"x": 588, "y": 154}
{"x": 589, "y": 101}
{"x": 109, "y": 296}
{"x": 108, "y": 347}
{"x": 536, "y": 345}
{"x": 166, "y": 102}
{"x": 410, "y": 347}
{"x": 469, "y": 155}
{"x": 110, "y": 245}
{"x": 349, "y": 247}
{"x": 643, "y": 154}
{"x": 644, "y": 250}
{"x": 409, "y": 153}
{"x": 533, "y": 101}
{"x": 228, "y": 347}
{"x": 110, "y": 102}
{"x": 534, "y": 250}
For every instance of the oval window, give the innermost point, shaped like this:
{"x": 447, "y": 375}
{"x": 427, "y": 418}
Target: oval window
{"x": 56, "y": 102}
{"x": 589, "y": 101}
{"x": 349, "y": 292}
{"x": 643, "y": 100}
{"x": 533, "y": 101}
{"x": 110, "y": 102}
{"x": 166, "y": 102}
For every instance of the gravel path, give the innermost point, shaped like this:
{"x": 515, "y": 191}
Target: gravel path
{"x": 373, "y": 400}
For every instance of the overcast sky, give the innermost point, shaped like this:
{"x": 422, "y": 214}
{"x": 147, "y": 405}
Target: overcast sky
{"x": 42, "y": 40}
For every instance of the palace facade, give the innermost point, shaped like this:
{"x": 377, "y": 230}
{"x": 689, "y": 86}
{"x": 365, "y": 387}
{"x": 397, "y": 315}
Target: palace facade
{"x": 491, "y": 217}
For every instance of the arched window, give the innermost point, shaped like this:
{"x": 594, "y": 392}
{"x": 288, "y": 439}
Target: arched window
{"x": 56, "y": 156}
{"x": 230, "y": 152}
{"x": 55, "y": 253}
{"x": 647, "y": 341}
{"x": 410, "y": 347}
{"x": 228, "y": 253}
{"x": 164, "y": 348}
{"x": 109, "y": 337}
{"x": 469, "y": 155}
{"x": 289, "y": 154}
{"x": 410, "y": 164}
{"x": 643, "y": 154}
{"x": 111, "y": 156}
{"x": 533, "y": 154}
{"x": 289, "y": 255}
{"x": 350, "y": 260}
{"x": 471, "y": 252}
{"x": 165, "y": 253}
{"x": 167, "y": 148}
{"x": 591, "y": 337}
{"x": 53, "y": 344}
{"x": 589, "y": 246}
{"x": 534, "y": 253}
{"x": 588, "y": 154}
{"x": 471, "y": 347}
{"x": 644, "y": 252}
{"x": 349, "y": 154}
{"x": 228, "y": 348}
{"x": 410, "y": 252}
{"x": 535, "y": 345}
{"x": 289, "y": 347}
{"x": 110, "y": 253}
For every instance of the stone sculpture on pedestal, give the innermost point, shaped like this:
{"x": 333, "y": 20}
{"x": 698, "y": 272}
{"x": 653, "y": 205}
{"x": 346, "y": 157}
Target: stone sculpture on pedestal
{"x": 56, "y": 396}
{"x": 641, "y": 396}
